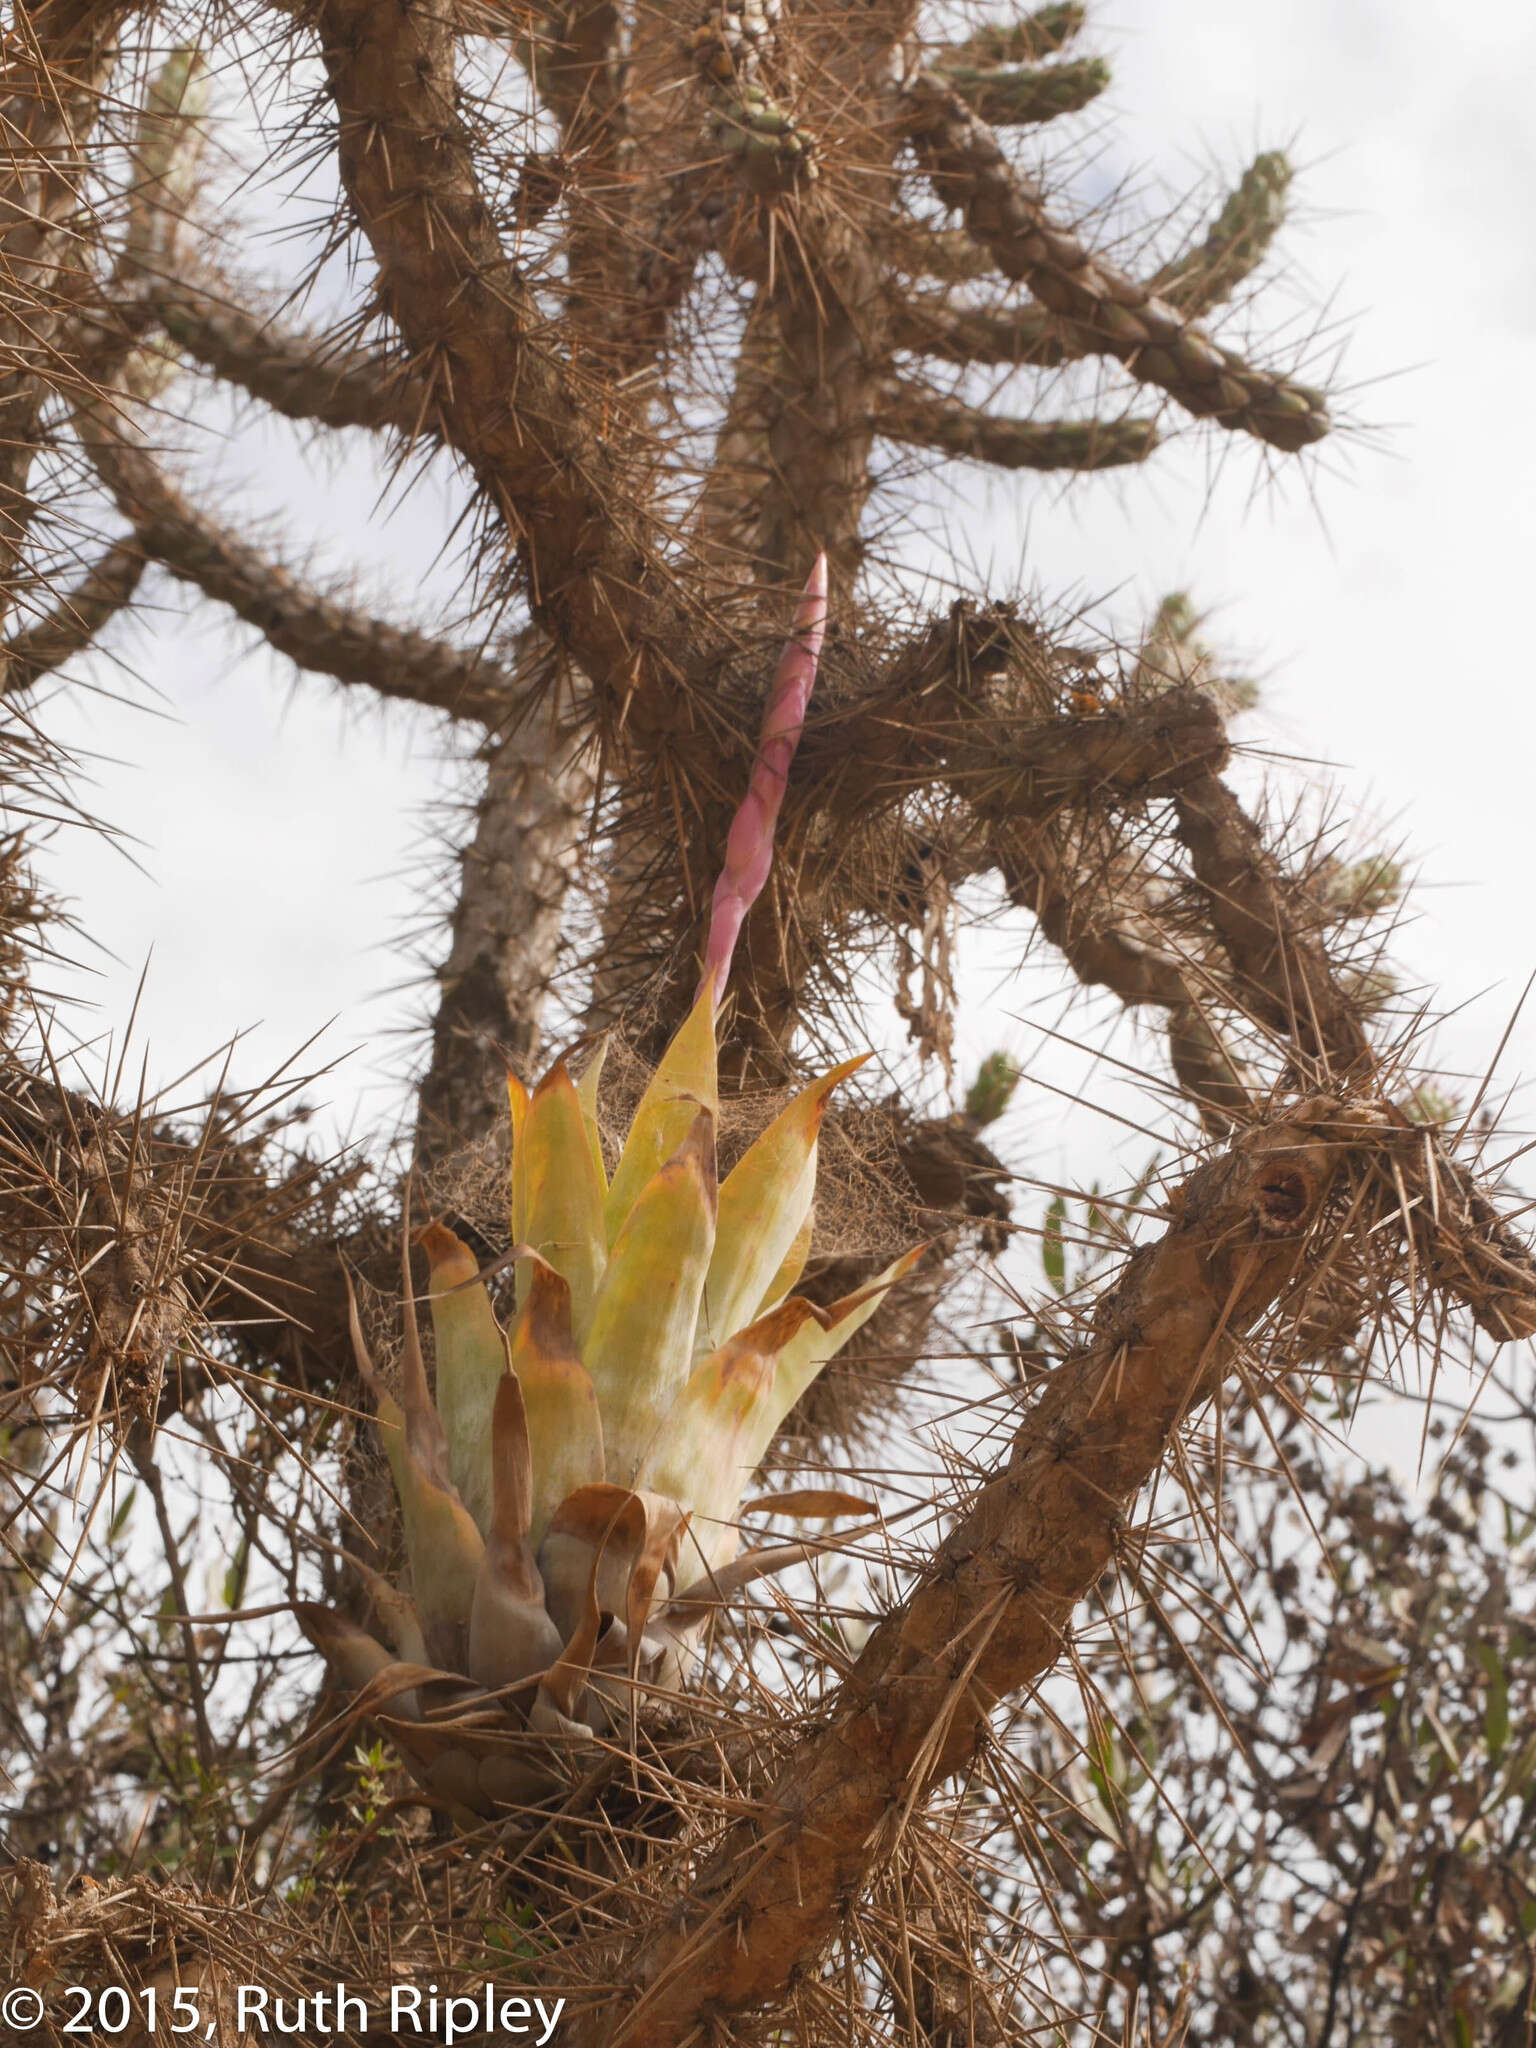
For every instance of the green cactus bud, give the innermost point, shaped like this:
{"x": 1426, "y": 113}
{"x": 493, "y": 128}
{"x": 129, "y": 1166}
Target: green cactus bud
{"x": 1173, "y": 652}
{"x": 992, "y": 1090}
{"x": 1041, "y": 34}
{"x": 1176, "y": 618}
{"x": 1236, "y": 242}
{"x": 1364, "y": 888}
{"x": 774, "y": 155}
{"x": 1428, "y": 1104}
{"x": 1022, "y": 95}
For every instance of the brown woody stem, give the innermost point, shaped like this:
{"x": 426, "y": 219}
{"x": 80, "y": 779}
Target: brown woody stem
{"x": 74, "y": 622}
{"x": 912, "y": 415}
{"x": 302, "y": 376}
{"x": 994, "y": 1608}
{"x": 317, "y": 631}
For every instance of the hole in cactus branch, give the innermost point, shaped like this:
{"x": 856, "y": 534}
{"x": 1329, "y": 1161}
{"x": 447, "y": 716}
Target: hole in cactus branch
{"x": 1281, "y": 1198}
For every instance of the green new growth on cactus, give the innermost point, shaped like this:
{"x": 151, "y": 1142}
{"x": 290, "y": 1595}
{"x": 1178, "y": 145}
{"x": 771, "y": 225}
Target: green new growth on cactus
{"x": 1042, "y": 33}
{"x": 774, "y": 154}
{"x": 1365, "y": 888}
{"x": 1236, "y": 242}
{"x": 992, "y": 1090}
{"x": 1016, "y": 96}
{"x": 1173, "y": 652}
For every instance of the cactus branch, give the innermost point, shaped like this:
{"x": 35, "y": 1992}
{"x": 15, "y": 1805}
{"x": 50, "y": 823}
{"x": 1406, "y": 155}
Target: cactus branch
{"x": 1044, "y": 33}
{"x": 507, "y": 926}
{"x": 927, "y": 324}
{"x": 1091, "y": 911}
{"x": 75, "y": 620}
{"x": 1021, "y": 96}
{"x": 318, "y": 631}
{"x": 1234, "y": 245}
{"x": 910, "y": 414}
{"x": 1006, "y": 211}
{"x": 474, "y": 328}
{"x": 1193, "y": 284}
{"x": 301, "y": 376}
{"x": 54, "y": 61}
{"x": 1281, "y": 969}
{"x": 920, "y": 250}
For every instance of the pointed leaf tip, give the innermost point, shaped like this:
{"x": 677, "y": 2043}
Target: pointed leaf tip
{"x": 560, "y": 1193}
{"x": 684, "y": 1082}
{"x": 764, "y": 1204}
{"x": 450, "y": 1262}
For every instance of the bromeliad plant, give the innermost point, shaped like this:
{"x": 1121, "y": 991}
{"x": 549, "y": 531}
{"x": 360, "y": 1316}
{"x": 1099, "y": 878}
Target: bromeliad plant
{"x": 571, "y": 1497}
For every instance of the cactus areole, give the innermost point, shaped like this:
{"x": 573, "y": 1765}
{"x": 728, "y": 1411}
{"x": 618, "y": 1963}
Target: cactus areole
{"x": 570, "y": 1496}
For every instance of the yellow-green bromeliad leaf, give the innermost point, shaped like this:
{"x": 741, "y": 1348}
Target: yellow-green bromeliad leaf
{"x": 443, "y": 1544}
{"x": 471, "y": 1363}
{"x": 561, "y": 1193}
{"x": 683, "y": 1084}
{"x": 794, "y": 1265}
{"x": 765, "y": 1203}
{"x": 565, "y": 1430}
{"x": 586, "y": 1089}
{"x": 442, "y": 1541}
{"x": 639, "y": 1350}
{"x": 474, "y": 1358}
{"x": 717, "y": 1432}
{"x": 699, "y": 1453}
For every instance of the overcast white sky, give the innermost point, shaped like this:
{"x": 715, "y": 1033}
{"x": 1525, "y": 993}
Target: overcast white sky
{"x": 280, "y": 826}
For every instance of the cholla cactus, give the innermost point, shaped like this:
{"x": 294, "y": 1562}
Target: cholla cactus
{"x": 570, "y": 1498}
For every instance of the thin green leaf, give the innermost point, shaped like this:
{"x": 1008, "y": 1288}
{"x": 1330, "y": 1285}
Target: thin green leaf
{"x": 1496, "y": 1711}
{"x": 235, "y": 1577}
{"x": 119, "y": 1521}
{"x": 1053, "y": 1252}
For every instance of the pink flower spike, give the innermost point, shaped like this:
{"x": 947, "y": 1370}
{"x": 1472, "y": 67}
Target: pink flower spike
{"x": 749, "y": 846}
